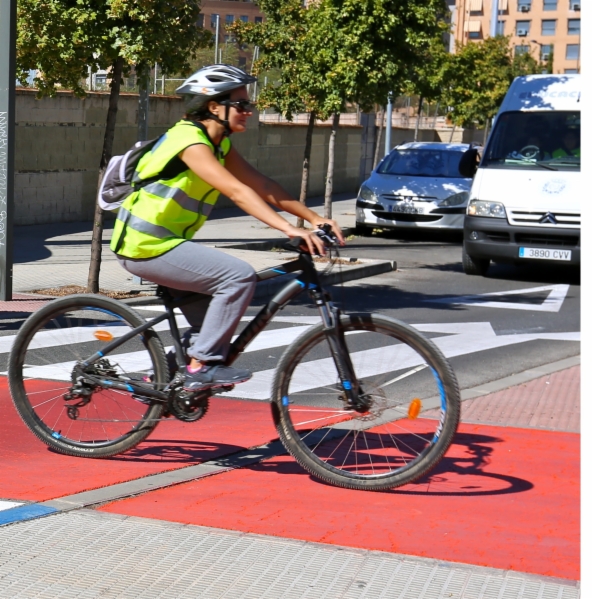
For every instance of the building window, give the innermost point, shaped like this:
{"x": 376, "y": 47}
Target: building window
{"x": 259, "y": 19}
{"x": 571, "y": 71}
{"x": 200, "y": 21}
{"x": 574, "y": 27}
{"x": 524, "y": 5}
{"x": 244, "y": 18}
{"x": 550, "y": 4}
{"x": 213, "y": 20}
{"x": 475, "y": 6}
{"x": 575, "y": 4}
{"x": 549, "y": 27}
{"x": 546, "y": 51}
{"x": 572, "y": 51}
{"x": 521, "y": 50}
{"x": 500, "y": 28}
{"x": 522, "y": 28}
{"x": 229, "y": 19}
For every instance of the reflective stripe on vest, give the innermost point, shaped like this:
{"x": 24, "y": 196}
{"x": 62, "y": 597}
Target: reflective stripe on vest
{"x": 165, "y": 213}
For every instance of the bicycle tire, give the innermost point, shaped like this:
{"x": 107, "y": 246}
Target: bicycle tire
{"x": 62, "y": 333}
{"x": 313, "y": 421}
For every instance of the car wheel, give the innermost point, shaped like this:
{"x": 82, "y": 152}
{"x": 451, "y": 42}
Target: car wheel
{"x": 474, "y": 266}
{"x": 363, "y": 230}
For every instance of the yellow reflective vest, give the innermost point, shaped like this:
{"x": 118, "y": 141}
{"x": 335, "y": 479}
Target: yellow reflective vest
{"x": 168, "y": 211}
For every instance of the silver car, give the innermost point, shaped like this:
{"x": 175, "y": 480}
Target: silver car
{"x": 416, "y": 185}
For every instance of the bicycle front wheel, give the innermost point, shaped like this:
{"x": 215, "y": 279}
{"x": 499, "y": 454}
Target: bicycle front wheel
{"x": 41, "y": 373}
{"x": 410, "y": 391}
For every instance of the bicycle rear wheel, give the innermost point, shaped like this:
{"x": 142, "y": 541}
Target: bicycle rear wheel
{"x": 41, "y": 372}
{"x": 411, "y": 391}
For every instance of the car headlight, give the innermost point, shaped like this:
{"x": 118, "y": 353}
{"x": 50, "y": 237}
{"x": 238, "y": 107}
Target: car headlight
{"x": 490, "y": 209}
{"x": 455, "y": 199}
{"x": 367, "y": 194}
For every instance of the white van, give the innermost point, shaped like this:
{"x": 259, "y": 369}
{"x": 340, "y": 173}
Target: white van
{"x": 525, "y": 199}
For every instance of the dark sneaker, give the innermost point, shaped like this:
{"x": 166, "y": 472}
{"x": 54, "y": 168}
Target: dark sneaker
{"x": 215, "y": 375}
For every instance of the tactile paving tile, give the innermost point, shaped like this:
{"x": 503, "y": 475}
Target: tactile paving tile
{"x": 88, "y": 555}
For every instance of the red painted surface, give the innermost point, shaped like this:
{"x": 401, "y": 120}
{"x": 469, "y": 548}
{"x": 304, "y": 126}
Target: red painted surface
{"x": 31, "y": 471}
{"x": 502, "y": 497}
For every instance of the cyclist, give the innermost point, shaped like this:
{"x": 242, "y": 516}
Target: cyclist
{"x": 154, "y": 227}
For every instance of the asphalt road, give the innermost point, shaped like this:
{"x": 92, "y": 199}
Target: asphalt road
{"x": 528, "y": 332}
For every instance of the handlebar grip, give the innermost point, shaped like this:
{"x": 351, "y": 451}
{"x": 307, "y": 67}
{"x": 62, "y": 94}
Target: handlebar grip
{"x": 294, "y": 244}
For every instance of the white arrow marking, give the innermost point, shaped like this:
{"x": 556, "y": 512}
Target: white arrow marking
{"x": 552, "y": 303}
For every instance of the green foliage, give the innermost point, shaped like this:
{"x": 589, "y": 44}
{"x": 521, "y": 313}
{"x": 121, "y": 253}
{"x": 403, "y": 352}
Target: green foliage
{"x": 334, "y": 51}
{"x": 478, "y": 76}
{"x": 63, "y": 38}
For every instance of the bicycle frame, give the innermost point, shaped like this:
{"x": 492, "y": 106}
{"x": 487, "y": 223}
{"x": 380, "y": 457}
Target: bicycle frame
{"x": 308, "y": 279}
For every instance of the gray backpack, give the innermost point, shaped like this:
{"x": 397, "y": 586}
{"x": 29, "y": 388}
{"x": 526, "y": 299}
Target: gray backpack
{"x": 118, "y": 181}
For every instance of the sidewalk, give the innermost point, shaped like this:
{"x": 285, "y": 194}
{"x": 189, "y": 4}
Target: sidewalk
{"x": 59, "y": 254}
{"x": 485, "y": 524}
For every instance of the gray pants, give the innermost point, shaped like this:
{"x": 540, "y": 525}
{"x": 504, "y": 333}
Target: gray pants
{"x": 226, "y": 282}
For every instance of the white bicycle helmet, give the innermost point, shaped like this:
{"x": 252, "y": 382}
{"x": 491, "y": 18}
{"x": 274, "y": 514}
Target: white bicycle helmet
{"x": 215, "y": 80}
{"x": 210, "y": 83}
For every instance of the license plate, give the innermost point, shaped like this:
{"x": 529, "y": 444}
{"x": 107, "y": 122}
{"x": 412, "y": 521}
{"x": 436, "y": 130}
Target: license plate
{"x": 405, "y": 208}
{"x": 544, "y": 254}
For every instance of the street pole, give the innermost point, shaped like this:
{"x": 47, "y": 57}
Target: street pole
{"x": 216, "y": 40}
{"x": 7, "y": 129}
{"x": 494, "y": 19}
{"x": 388, "y": 123}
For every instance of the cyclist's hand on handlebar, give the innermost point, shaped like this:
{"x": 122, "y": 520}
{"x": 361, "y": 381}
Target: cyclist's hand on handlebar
{"x": 313, "y": 242}
{"x": 319, "y": 221}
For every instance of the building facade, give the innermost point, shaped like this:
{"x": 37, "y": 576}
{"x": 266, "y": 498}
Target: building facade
{"x": 549, "y": 29}
{"x": 221, "y": 13}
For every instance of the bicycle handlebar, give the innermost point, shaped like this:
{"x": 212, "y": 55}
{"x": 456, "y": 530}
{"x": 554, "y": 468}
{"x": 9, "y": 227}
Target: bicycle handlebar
{"x": 324, "y": 232}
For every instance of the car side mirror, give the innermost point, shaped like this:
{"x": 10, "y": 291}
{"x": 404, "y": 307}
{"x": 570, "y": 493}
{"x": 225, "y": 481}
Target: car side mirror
{"x": 468, "y": 165}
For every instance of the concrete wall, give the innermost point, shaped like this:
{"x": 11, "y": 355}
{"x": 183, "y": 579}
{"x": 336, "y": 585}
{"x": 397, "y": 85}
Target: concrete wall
{"x": 59, "y": 142}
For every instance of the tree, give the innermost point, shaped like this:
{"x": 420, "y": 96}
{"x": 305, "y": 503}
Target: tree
{"x": 427, "y": 75}
{"x": 335, "y": 51}
{"x": 63, "y": 38}
{"x": 282, "y": 45}
{"x": 478, "y": 77}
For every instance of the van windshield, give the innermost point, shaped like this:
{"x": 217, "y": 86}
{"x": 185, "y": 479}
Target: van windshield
{"x": 422, "y": 163}
{"x": 549, "y": 140}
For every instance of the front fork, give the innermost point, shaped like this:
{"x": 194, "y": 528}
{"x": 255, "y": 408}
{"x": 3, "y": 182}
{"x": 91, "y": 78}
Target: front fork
{"x": 334, "y": 333}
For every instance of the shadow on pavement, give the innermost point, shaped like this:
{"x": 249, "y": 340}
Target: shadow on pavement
{"x": 460, "y": 473}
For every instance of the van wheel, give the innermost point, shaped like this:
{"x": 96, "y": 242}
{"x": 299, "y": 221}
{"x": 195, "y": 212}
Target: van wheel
{"x": 474, "y": 266}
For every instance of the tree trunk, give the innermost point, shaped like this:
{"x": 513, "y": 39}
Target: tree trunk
{"x": 97, "y": 239}
{"x": 452, "y": 132}
{"x": 306, "y": 166}
{"x": 421, "y": 99}
{"x": 378, "y": 146}
{"x": 329, "y": 181}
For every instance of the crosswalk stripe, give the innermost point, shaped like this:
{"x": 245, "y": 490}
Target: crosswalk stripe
{"x": 139, "y": 361}
{"x": 58, "y": 337}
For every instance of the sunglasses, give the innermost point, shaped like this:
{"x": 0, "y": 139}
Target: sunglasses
{"x": 241, "y": 106}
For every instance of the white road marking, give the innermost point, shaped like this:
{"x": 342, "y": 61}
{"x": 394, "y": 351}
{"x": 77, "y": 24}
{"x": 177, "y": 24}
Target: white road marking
{"x": 460, "y": 339}
{"x": 6, "y": 505}
{"x": 552, "y": 303}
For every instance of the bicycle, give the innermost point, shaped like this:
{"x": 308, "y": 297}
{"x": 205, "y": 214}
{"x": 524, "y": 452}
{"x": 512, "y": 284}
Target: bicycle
{"x": 360, "y": 400}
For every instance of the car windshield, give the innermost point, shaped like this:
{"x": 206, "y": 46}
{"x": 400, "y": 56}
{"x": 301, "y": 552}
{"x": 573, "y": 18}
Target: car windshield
{"x": 550, "y": 140}
{"x": 422, "y": 163}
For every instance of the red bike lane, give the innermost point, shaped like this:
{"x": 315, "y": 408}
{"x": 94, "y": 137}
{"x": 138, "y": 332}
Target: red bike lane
{"x": 505, "y": 496}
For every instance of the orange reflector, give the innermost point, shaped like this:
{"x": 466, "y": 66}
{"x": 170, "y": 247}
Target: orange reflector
{"x": 103, "y": 335}
{"x": 414, "y": 409}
